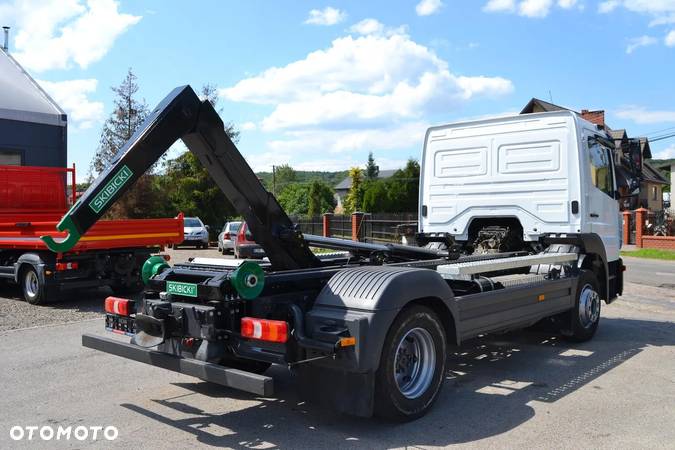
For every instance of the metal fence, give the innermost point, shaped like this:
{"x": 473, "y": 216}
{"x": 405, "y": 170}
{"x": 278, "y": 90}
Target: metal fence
{"x": 374, "y": 227}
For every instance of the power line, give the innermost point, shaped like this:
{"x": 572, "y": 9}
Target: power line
{"x": 662, "y": 137}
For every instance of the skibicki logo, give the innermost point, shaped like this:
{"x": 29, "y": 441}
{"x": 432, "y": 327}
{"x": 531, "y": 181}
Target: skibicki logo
{"x": 186, "y": 289}
{"x": 110, "y": 189}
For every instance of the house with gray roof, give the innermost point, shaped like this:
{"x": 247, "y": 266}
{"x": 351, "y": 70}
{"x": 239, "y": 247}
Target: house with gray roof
{"x": 343, "y": 187}
{"x": 33, "y": 128}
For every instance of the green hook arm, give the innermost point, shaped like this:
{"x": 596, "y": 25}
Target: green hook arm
{"x": 69, "y": 242}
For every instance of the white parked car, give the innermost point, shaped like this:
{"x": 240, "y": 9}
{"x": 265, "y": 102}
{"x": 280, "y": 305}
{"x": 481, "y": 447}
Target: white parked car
{"x": 195, "y": 232}
{"x": 227, "y": 237}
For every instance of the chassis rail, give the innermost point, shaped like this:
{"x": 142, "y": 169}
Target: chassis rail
{"x": 224, "y": 376}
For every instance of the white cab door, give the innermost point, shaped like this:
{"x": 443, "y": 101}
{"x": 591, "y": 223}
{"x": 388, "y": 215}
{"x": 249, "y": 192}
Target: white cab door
{"x": 603, "y": 209}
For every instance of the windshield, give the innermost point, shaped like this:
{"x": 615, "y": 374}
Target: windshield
{"x": 234, "y": 226}
{"x": 192, "y": 222}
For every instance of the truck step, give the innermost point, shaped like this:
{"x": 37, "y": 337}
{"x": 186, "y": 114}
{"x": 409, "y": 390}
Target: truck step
{"x": 463, "y": 270}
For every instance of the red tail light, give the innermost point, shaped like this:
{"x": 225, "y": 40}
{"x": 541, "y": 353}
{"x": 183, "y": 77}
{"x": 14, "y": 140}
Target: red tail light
{"x": 264, "y": 330}
{"x": 226, "y": 235}
{"x": 119, "y": 306}
{"x": 67, "y": 266}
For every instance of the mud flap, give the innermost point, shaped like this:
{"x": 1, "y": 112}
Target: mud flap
{"x": 346, "y": 392}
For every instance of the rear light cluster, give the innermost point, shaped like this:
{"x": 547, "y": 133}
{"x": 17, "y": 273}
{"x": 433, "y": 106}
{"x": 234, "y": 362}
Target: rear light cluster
{"x": 67, "y": 266}
{"x": 226, "y": 235}
{"x": 119, "y": 306}
{"x": 264, "y": 330}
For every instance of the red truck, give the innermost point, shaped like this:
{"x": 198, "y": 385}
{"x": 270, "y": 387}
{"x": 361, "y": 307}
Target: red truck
{"x": 32, "y": 201}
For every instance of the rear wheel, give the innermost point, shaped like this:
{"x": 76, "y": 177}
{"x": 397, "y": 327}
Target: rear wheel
{"x": 585, "y": 317}
{"x": 412, "y": 364}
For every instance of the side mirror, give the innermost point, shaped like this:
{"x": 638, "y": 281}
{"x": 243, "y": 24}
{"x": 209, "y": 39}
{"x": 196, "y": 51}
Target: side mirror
{"x": 208, "y": 228}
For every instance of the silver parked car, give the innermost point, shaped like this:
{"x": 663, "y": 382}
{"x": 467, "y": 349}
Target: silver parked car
{"x": 195, "y": 233}
{"x": 227, "y": 237}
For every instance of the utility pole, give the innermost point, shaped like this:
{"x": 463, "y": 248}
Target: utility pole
{"x": 274, "y": 180}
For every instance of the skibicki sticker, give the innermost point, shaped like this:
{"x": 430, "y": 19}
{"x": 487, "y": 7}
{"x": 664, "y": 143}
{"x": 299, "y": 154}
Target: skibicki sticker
{"x": 178, "y": 288}
{"x": 110, "y": 189}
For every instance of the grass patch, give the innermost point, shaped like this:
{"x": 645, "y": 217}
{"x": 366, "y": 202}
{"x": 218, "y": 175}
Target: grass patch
{"x": 652, "y": 253}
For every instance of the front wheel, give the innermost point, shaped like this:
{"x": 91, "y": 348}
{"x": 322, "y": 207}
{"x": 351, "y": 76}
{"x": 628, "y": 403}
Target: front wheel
{"x": 585, "y": 317}
{"x": 412, "y": 365}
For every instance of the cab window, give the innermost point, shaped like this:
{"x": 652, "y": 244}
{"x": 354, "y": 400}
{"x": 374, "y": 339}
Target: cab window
{"x": 601, "y": 167}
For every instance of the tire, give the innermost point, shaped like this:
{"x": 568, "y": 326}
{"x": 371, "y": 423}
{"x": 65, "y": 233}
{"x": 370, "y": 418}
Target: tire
{"x": 416, "y": 331}
{"x": 585, "y": 317}
{"x": 33, "y": 289}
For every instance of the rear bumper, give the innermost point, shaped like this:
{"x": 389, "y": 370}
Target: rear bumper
{"x": 250, "y": 251}
{"x": 233, "y": 378}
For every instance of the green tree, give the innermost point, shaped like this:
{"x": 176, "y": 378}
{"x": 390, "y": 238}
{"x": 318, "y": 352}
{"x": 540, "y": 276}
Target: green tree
{"x": 403, "y": 187}
{"x": 372, "y": 170}
{"x": 376, "y": 197}
{"x": 294, "y": 198}
{"x": 144, "y": 197}
{"x": 354, "y": 197}
{"x": 321, "y": 198}
{"x": 128, "y": 114}
{"x": 284, "y": 175}
{"x": 191, "y": 190}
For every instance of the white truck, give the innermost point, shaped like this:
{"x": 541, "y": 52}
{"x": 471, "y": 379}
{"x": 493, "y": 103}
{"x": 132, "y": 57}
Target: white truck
{"x": 367, "y": 329}
{"x": 512, "y": 183}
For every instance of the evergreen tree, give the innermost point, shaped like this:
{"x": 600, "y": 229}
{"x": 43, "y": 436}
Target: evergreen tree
{"x": 372, "y": 170}
{"x": 144, "y": 198}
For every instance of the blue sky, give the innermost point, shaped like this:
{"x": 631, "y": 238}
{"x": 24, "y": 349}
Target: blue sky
{"x": 319, "y": 84}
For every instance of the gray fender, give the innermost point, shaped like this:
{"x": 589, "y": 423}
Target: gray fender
{"x": 367, "y": 300}
{"x": 589, "y": 243}
{"x": 34, "y": 260}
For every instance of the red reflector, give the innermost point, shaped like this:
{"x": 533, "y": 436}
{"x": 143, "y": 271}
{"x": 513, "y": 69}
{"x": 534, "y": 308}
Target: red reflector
{"x": 265, "y": 330}
{"x": 166, "y": 257}
{"x": 67, "y": 266}
{"x": 623, "y": 268}
{"x": 119, "y": 306}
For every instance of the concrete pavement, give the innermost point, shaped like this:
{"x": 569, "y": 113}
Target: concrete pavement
{"x": 519, "y": 390}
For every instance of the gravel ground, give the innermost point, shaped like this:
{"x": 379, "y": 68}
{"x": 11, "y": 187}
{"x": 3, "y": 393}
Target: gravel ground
{"x": 76, "y": 306}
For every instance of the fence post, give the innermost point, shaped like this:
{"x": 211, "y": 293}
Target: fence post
{"x": 357, "y": 220}
{"x": 640, "y": 217}
{"x": 326, "y": 224}
{"x": 626, "y": 227}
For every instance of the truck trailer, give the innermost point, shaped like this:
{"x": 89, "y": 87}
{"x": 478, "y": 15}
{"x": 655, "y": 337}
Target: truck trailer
{"x": 366, "y": 329}
{"x": 32, "y": 200}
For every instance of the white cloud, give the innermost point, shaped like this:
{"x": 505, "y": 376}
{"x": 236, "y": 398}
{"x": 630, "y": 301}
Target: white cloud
{"x": 369, "y": 79}
{"x": 670, "y": 39}
{"x": 529, "y": 8}
{"x": 653, "y": 7}
{"x": 367, "y": 26}
{"x": 535, "y": 8}
{"x": 608, "y": 6}
{"x": 666, "y": 153}
{"x": 374, "y": 91}
{"x": 500, "y": 6}
{"x": 72, "y": 96}
{"x": 567, "y": 4}
{"x": 641, "y": 115}
{"x": 326, "y": 16}
{"x": 55, "y": 34}
{"x": 637, "y": 42}
{"x": 428, "y": 7}
{"x": 248, "y": 126}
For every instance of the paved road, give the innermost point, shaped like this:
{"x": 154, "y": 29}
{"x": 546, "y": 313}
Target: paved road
{"x": 525, "y": 390}
{"x": 652, "y": 272}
